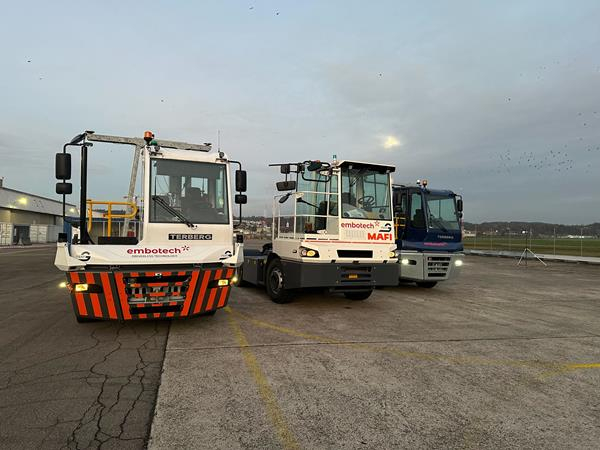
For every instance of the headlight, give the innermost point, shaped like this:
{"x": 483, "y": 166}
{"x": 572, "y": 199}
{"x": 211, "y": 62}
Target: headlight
{"x": 223, "y": 282}
{"x": 308, "y": 252}
{"x": 394, "y": 254}
{"x": 405, "y": 261}
{"x": 82, "y": 287}
{"x": 458, "y": 263}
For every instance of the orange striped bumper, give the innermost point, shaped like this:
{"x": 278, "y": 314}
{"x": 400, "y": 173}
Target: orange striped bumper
{"x": 118, "y": 295}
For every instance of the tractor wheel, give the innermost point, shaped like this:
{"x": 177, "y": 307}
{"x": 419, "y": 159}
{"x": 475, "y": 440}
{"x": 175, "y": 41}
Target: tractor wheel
{"x": 240, "y": 277}
{"x": 361, "y": 295}
{"x": 85, "y": 319}
{"x": 426, "y": 284}
{"x": 275, "y": 283}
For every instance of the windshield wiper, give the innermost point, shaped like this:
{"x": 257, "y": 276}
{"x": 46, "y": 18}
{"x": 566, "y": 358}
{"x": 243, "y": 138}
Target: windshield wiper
{"x": 173, "y": 211}
{"x": 301, "y": 200}
{"x": 439, "y": 222}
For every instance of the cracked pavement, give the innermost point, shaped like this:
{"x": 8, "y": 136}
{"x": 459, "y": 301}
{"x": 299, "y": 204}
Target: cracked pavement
{"x": 503, "y": 357}
{"x": 64, "y": 384}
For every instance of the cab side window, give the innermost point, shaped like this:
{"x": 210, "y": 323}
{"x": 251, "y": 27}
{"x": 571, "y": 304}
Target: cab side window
{"x": 417, "y": 215}
{"x": 403, "y": 204}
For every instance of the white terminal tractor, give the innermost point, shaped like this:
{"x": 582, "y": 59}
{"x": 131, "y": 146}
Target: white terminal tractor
{"x": 169, "y": 250}
{"x": 332, "y": 228}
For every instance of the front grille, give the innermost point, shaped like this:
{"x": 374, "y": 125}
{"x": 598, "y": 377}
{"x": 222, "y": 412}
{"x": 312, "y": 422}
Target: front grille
{"x": 355, "y": 253}
{"x": 153, "y": 289}
{"x": 437, "y": 266}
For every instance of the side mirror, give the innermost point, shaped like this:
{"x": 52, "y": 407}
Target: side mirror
{"x": 286, "y": 185}
{"x": 241, "y": 199}
{"x": 241, "y": 184}
{"x": 64, "y": 188}
{"x": 285, "y": 197}
{"x": 459, "y": 205}
{"x": 63, "y": 166}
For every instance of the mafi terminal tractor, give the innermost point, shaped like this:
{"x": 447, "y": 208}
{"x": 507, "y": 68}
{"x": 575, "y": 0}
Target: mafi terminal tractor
{"x": 332, "y": 228}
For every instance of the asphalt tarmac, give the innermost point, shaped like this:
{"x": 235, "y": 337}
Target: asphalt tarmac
{"x": 502, "y": 357}
{"x": 64, "y": 384}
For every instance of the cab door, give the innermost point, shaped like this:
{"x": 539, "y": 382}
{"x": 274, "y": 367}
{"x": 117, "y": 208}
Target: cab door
{"x": 400, "y": 203}
{"x": 416, "y": 224}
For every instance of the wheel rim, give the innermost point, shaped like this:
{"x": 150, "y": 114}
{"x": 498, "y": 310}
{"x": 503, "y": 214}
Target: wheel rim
{"x": 276, "y": 280}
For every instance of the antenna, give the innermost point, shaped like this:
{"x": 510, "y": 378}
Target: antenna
{"x": 219, "y": 152}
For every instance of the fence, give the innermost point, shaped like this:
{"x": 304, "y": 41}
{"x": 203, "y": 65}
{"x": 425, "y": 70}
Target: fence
{"x": 517, "y": 241}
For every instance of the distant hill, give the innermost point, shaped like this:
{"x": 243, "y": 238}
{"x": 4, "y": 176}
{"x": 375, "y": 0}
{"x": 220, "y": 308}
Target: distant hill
{"x": 537, "y": 228}
{"x": 502, "y": 228}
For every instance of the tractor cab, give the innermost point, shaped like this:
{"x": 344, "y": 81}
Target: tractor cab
{"x": 427, "y": 219}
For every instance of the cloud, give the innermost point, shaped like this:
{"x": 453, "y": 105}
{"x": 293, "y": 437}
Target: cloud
{"x": 504, "y": 111}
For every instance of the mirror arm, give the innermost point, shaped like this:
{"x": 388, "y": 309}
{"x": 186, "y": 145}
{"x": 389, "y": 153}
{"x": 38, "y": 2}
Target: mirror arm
{"x": 240, "y": 213}
{"x": 64, "y": 196}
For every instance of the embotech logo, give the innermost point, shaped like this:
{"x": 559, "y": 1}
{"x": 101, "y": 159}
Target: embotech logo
{"x": 157, "y": 251}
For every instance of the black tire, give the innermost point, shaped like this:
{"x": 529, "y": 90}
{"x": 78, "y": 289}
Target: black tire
{"x": 361, "y": 295}
{"x": 209, "y": 313}
{"x": 275, "y": 283}
{"x": 426, "y": 284}
{"x": 240, "y": 277}
{"x": 85, "y": 319}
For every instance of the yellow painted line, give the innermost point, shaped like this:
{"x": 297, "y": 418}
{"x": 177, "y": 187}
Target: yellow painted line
{"x": 550, "y": 367}
{"x": 401, "y": 353}
{"x": 583, "y": 366}
{"x": 569, "y": 368}
{"x": 268, "y": 397}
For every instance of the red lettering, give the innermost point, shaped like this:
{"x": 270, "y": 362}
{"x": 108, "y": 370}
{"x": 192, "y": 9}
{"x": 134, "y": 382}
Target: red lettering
{"x": 379, "y": 237}
{"x": 154, "y": 251}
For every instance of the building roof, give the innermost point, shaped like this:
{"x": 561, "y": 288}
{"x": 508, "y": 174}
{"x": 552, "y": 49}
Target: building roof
{"x": 24, "y": 201}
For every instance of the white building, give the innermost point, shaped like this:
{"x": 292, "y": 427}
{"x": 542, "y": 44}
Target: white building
{"x": 28, "y": 218}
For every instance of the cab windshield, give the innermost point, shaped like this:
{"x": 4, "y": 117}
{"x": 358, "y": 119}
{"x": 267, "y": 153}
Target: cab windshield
{"x": 365, "y": 193}
{"x": 190, "y": 191}
{"x": 442, "y": 214}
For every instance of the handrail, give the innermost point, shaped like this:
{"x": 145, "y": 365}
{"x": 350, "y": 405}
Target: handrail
{"x": 109, "y": 214}
{"x": 399, "y": 222}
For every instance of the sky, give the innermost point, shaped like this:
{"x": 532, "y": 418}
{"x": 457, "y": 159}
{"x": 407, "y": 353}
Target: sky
{"x": 498, "y": 101}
